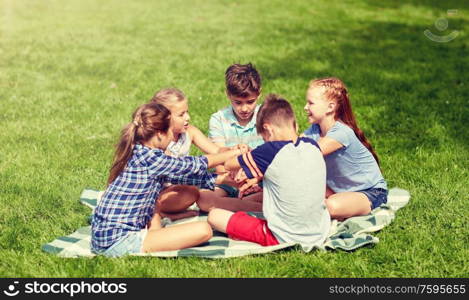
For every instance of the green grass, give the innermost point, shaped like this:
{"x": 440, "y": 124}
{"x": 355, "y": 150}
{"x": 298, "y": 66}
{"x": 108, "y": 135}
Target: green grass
{"x": 72, "y": 72}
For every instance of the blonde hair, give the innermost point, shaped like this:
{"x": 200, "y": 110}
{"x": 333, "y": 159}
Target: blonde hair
{"x": 168, "y": 96}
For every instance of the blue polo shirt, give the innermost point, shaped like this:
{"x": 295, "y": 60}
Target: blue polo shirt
{"x": 225, "y": 128}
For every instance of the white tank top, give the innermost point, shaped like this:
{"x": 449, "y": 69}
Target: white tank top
{"x": 181, "y": 147}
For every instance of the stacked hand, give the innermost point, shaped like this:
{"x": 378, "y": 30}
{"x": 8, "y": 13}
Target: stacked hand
{"x": 239, "y": 178}
{"x": 242, "y": 147}
{"x": 250, "y": 186}
{"x": 246, "y": 185}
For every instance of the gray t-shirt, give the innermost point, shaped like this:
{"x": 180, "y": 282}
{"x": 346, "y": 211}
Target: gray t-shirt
{"x": 351, "y": 168}
{"x": 294, "y": 176}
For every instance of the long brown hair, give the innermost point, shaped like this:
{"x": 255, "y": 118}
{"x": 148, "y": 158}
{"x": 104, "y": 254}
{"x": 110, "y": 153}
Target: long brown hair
{"x": 147, "y": 120}
{"x": 335, "y": 90}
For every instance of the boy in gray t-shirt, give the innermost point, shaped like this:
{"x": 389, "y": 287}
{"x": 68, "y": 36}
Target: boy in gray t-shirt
{"x": 294, "y": 176}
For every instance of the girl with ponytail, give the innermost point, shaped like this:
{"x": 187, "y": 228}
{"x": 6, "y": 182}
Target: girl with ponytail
{"x": 354, "y": 179}
{"x": 125, "y": 220}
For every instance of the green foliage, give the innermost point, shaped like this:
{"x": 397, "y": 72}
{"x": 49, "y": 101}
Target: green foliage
{"x": 72, "y": 72}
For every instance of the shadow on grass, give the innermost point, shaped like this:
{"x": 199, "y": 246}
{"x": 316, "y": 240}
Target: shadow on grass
{"x": 404, "y": 87}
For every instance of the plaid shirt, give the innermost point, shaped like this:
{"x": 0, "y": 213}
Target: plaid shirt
{"x": 129, "y": 201}
{"x": 224, "y": 128}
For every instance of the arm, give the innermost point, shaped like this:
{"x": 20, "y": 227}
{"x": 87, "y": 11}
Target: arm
{"x": 220, "y": 169}
{"x": 244, "y": 182}
{"x": 244, "y": 149}
{"x": 328, "y": 145}
{"x": 232, "y": 164}
{"x": 202, "y": 142}
{"x": 337, "y": 137}
{"x": 207, "y": 146}
{"x": 220, "y": 158}
{"x": 205, "y": 181}
{"x": 253, "y": 165}
{"x": 160, "y": 164}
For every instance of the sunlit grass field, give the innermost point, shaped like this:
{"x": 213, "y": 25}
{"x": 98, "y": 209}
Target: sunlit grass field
{"x": 72, "y": 72}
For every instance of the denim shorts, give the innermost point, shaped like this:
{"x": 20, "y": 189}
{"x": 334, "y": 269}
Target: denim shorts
{"x": 129, "y": 244}
{"x": 376, "y": 196}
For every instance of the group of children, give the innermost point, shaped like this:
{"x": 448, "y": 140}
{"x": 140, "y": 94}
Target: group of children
{"x": 299, "y": 182}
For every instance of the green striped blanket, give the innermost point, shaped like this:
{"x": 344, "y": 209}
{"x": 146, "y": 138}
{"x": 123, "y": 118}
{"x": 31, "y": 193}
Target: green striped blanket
{"x": 347, "y": 235}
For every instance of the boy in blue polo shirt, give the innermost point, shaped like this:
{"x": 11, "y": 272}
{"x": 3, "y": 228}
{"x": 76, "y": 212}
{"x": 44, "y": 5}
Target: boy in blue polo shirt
{"x": 236, "y": 124}
{"x": 233, "y": 125}
{"x": 294, "y": 175}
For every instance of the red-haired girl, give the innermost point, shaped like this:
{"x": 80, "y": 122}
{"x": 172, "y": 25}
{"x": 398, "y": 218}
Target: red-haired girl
{"x": 354, "y": 179}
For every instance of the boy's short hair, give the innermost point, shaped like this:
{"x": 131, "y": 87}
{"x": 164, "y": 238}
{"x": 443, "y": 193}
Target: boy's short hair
{"x": 276, "y": 111}
{"x": 242, "y": 80}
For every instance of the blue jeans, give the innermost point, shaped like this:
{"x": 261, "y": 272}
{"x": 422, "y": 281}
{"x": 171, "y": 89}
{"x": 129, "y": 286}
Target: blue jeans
{"x": 131, "y": 243}
{"x": 376, "y": 196}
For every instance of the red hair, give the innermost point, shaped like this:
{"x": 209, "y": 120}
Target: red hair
{"x": 335, "y": 90}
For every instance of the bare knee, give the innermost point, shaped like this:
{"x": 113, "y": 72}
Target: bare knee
{"x": 177, "y": 198}
{"x": 347, "y": 204}
{"x": 189, "y": 194}
{"x": 333, "y": 207}
{"x": 205, "y": 231}
{"x": 205, "y": 201}
{"x": 212, "y": 216}
{"x": 192, "y": 191}
{"x": 219, "y": 218}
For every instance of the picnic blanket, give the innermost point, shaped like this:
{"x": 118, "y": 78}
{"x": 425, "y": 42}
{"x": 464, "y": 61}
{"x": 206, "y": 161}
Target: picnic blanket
{"x": 348, "y": 235}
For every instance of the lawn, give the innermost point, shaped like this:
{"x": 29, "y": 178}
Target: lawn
{"x": 72, "y": 72}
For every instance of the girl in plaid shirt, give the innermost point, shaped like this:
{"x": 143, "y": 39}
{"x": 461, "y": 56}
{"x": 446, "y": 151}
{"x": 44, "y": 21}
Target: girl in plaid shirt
{"x": 125, "y": 221}
{"x": 174, "y": 200}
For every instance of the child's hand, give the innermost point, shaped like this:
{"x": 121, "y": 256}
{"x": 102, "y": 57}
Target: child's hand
{"x": 247, "y": 185}
{"x": 253, "y": 189}
{"x": 242, "y": 147}
{"x": 240, "y": 176}
{"x": 225, "y": 178}
{"x": 233, "y": 174}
